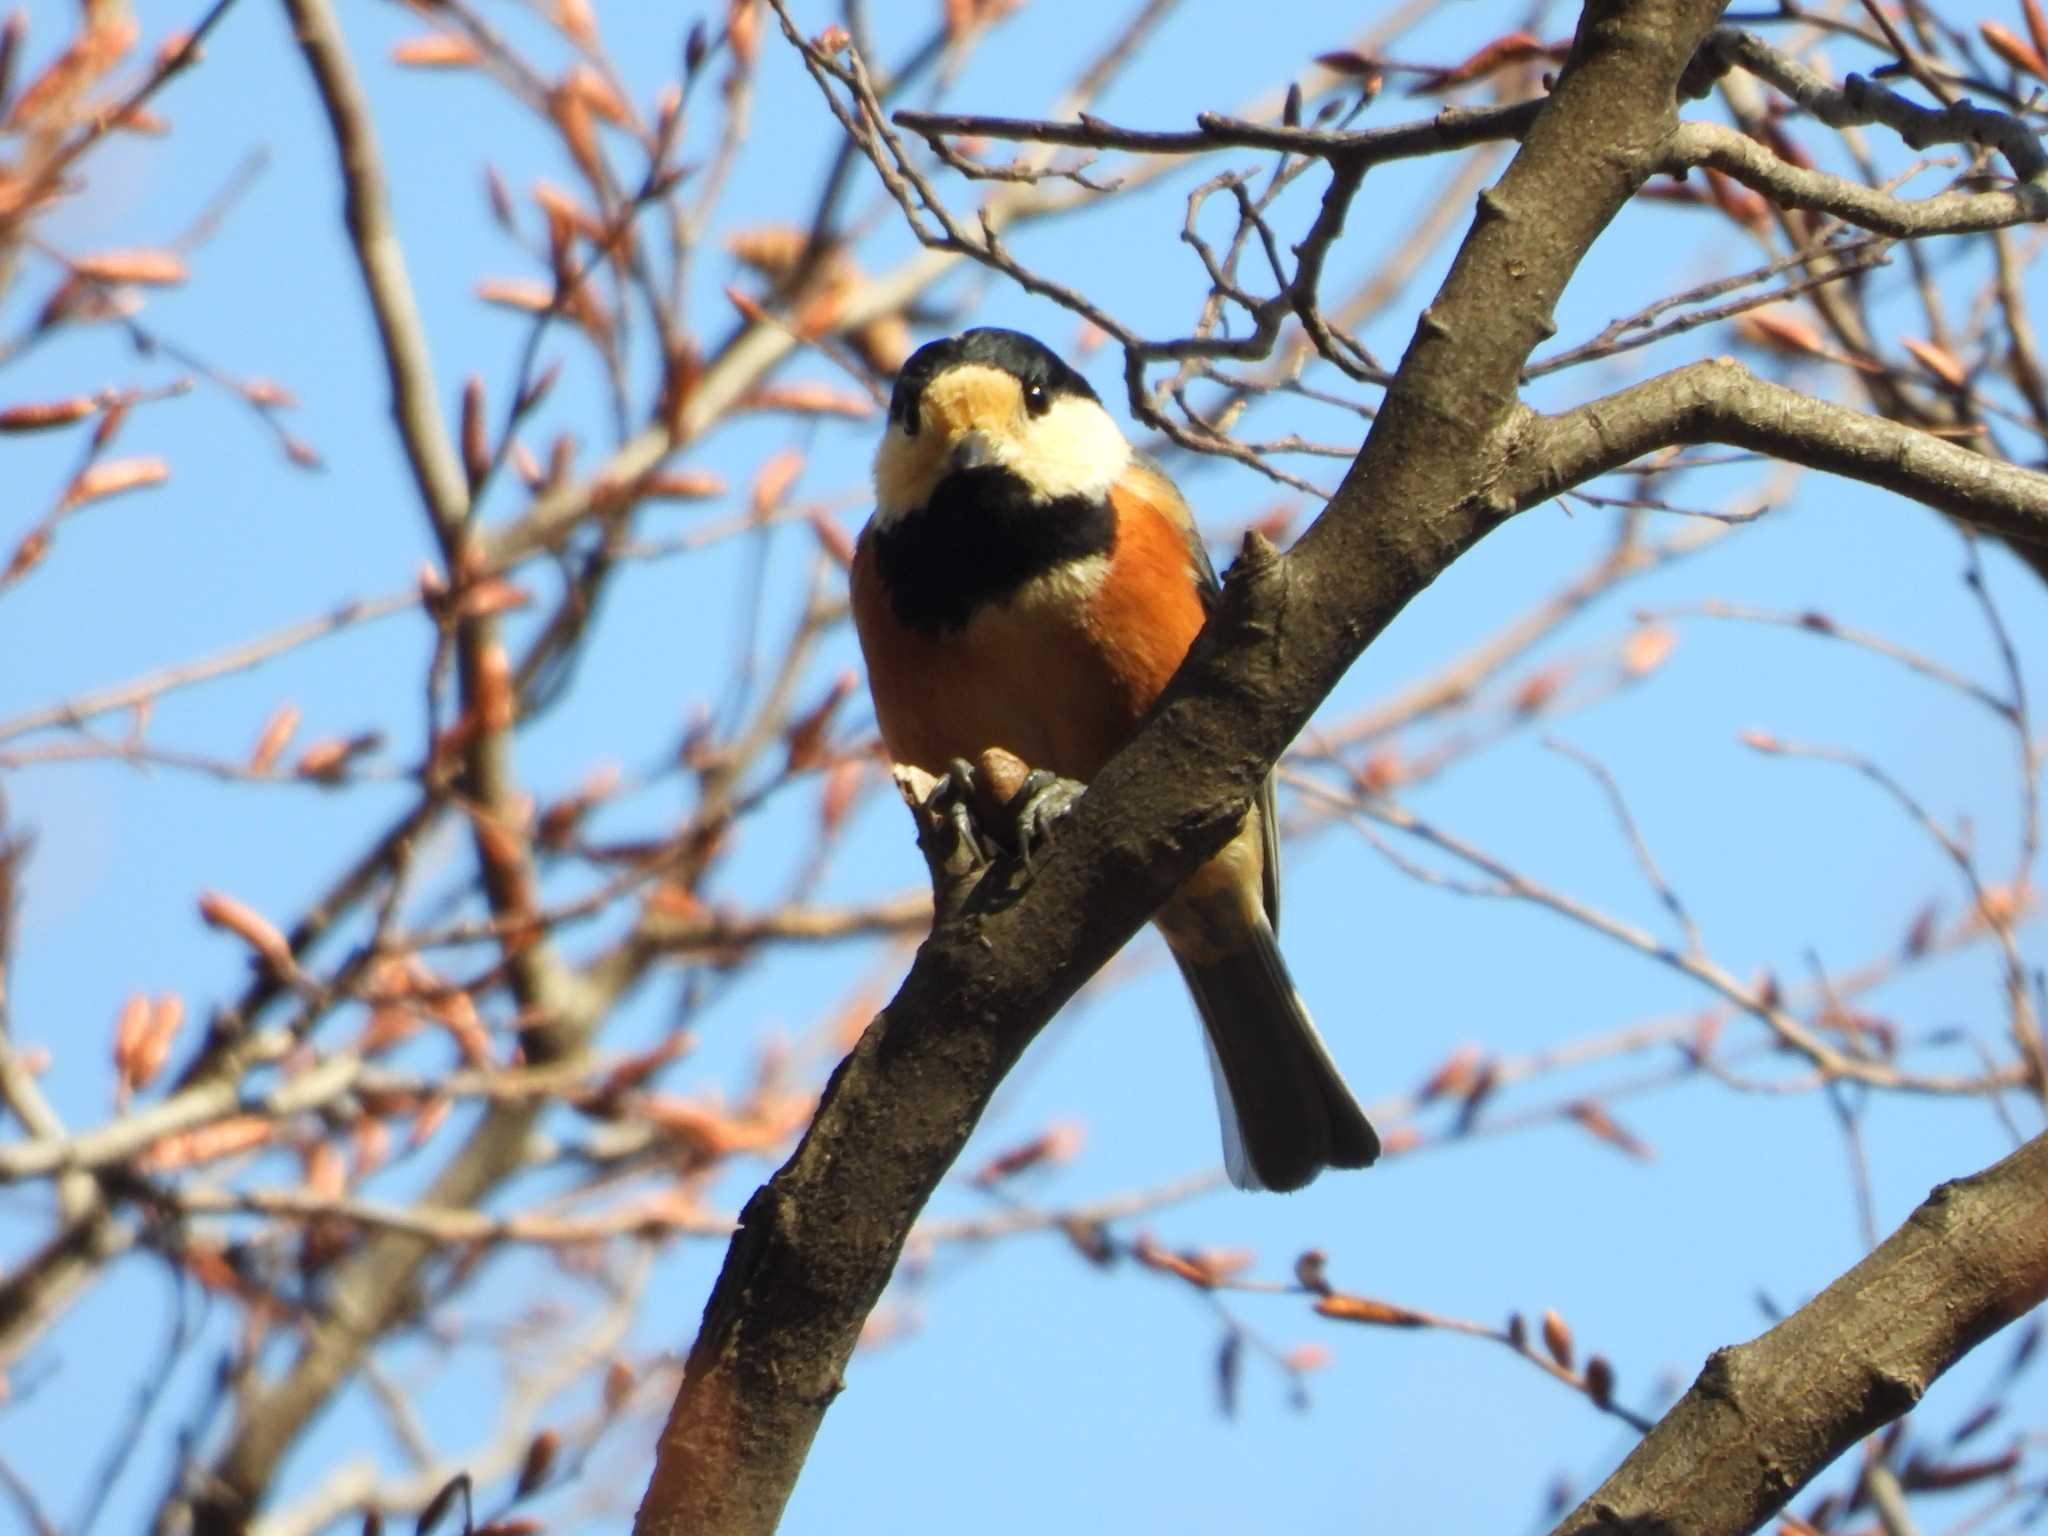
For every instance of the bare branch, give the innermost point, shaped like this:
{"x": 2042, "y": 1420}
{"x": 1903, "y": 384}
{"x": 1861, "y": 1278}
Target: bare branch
{"x": 1720, "y": 401}
{"x": 1452, "y": 128}
{"x": 1766, "y": 1416}
{"x": 415, "y": 405}
{"x": 1735, "y": 154}
{"x": 1858, "y": 101}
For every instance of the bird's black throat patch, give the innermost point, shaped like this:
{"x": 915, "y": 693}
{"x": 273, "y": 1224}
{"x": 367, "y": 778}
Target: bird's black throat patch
{"x": 981, "y": 537}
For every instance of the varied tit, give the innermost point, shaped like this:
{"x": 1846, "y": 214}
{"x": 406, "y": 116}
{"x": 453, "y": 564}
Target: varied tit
{"x": 1030, "y": 582}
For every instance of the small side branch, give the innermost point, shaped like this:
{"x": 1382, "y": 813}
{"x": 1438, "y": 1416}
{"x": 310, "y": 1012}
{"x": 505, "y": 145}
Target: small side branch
{"x": 1452, "y": 128}
{"x": 1859, "y": 102}
{"x": 1736, "y": 155}
{"x": 1720, "y": 401}
{"x": 428, "y": 448}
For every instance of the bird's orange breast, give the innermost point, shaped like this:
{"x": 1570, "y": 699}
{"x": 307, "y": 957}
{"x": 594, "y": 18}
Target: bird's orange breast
{"x": 1058, "y": 671}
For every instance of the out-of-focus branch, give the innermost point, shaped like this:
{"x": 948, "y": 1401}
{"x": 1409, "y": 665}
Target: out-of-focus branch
{"x": 1720, "y": 401}
{"x": 201, "y": 1104}
{"x": 42, "y": 1286}
{"x": 1756, "y": 1000}
{"x": 376, "y": 1285}
{"x": 1461, "y": 679}
{"x": 38, "y": 1289}
{"x": 152, "y": 686}
{"x": 653, "y": 1216}
{"x": 359, "y": 1484}
{"x": 1764, "y": 1417}
{"x": 437, "y": 471}
{"x": 50, "y": 173}
{"x": 400, "y": 331}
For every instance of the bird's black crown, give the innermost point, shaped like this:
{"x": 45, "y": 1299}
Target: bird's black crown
{"x": 1026, "y": 358}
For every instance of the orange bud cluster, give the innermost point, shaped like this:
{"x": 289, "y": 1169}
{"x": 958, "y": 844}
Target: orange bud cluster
{"x": 1363, "y": 1309}
{"x": 1600, "y": 1380}
{"x": 1513, "y": 48}
{"x": 520, "y": 293}
{"x": 1057, "y": 1144}
{"x": 142, "y": 1041}
{"x": 147, "y": 268}
{"x": 842, "y": 785}
{"x": 1647, "y": 649}
{"x": 2037, "y": 25}
{"x": 44, "y": 415}
{"x": 1595, "y": 1118}
{"x": 248, "y": 925}
{"x": 683, "y": 485}
{"x": 577, "y": 21}
{"x": 1455, "y": 1078}
{"x": 28, "y": 554}
{"x": 832, "y": 538}
{"x": 1557, "y": 1338}
{"x": 557, "y": 826}
{"x": 634, "y": 1072}
{"x": 112, "y": 477}
{"x": 327, "y": 761}
{"x": 1939, "y": 361}
{"x": 811, "y": 400}
{"x": 743, "y": 32}
{"x": 597, "y": 95}
{"x": 618, "y": 1385}
{"x": 772, "y": 482}
{"x": 1152, "y": 1256}
{"x": 2015, "y": 50}
{"x": 806, "y": 734}
{"x": 277, "y": 734}
{"x": 52, "y": 95}
{"x": 209, "y": 1143}
{"x": 439, "y": 50}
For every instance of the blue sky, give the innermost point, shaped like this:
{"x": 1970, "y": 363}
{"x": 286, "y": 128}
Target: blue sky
{"x": 1034, "y": 1389}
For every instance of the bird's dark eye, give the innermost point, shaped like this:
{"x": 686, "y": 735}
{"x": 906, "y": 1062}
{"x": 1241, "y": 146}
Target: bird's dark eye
{"x": 906, "y": 412}
{"x": 1036, "y": 400}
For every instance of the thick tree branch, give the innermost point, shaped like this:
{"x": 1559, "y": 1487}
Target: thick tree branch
{"x": 1720, "y": 401}
{"x": 818, "y": 1242}
{"x": 1764, "y": 1417}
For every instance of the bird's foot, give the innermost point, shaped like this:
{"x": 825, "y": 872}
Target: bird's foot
{"x": 1015, "y": 804}
{"x": 960, "y": 802}
{"x": 948, "y": 828}
{"x": 1042, "y": 800}
{"x": 981, "y": 811}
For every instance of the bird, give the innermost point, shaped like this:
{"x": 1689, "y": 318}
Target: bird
{"x": 1029, "y": 581}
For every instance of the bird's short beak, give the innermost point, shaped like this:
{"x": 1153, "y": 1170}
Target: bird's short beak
{"x": 972, "y": 451}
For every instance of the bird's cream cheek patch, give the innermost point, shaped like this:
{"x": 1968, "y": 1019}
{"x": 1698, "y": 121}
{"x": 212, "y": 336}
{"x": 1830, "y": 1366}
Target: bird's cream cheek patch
{"x": 1074, "y": 449}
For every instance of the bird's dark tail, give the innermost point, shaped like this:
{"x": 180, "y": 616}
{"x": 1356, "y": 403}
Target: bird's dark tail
{"x": 1286, "y": 1112}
